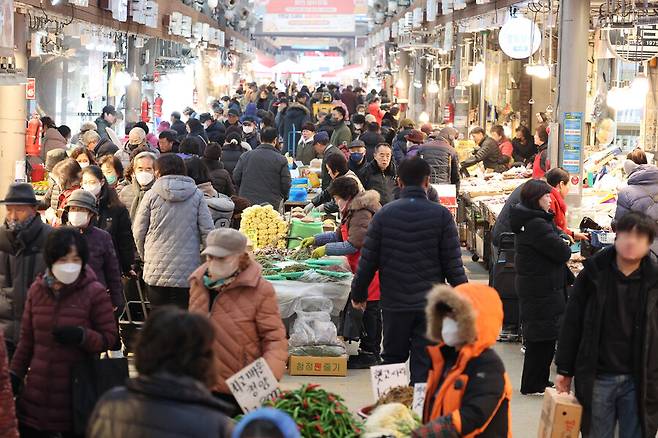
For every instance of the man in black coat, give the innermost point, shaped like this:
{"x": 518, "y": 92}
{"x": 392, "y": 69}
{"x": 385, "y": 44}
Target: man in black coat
{"x": 178, "y": 125}
{"x": 22, "y": 238}
{"x": 215, "y": 131}
{"x": 609, "y": 336}
{"x": 380, "y": 174}
{"x": 414, "y": 244}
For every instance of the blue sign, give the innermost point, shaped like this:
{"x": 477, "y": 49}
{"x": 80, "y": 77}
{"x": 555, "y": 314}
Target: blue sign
{"x": 572, "y": 128}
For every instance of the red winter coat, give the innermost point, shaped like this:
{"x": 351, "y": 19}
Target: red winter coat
{"x": 376, "y": 111}
{"x": 45, "y": 403}
{"x": 506, "y": 147}
{"x": 8, "y": 426}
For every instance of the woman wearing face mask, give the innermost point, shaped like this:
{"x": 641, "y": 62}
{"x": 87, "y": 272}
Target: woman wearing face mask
{"x": 83, "y": 156}
{"x": 241, "y": 305}
{"x": 250, "y": 132}
{"x": 541, "y": 281}
{"x": 82, "y": 213}
{"x": 67, "y": 319}
{"x": 468, "y": 391}
{"x": 112, "y": 170}
{"x": 66, "y": 175}
{"x": 112, "y": 216}
{"x": 305, "y": 150}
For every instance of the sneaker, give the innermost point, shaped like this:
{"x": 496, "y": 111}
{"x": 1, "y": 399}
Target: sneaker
{"x": 363, "y": 361}
{"x": 550, "y": 385}
{"x": 523, "y": 350}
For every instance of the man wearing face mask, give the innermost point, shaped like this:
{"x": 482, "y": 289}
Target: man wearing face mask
{"x": 143, "y": 177}
{"x": 82, "y": 211}
{"x": 357, "y": 157}
{"x": 250, "y": 132}
{"x": 341, "y": 134}
{"x": 305, "y": 149}
{"x": 22, "y": 238}
{"x": 230, "y": 290}
{"x": 357, "y": 124}
{"x": 468, "y": 391}
{"x": 215, "y": 130}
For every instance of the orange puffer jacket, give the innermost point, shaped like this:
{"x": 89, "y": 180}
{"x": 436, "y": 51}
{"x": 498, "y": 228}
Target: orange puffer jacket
{"x": 247, "y": 323}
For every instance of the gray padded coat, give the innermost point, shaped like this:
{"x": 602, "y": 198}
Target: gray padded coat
{"x": 170, "y": 226}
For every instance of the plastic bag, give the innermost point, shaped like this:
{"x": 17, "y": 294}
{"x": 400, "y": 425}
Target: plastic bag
{"x": 318, "y": 350}
{"x": 313, "y": 325}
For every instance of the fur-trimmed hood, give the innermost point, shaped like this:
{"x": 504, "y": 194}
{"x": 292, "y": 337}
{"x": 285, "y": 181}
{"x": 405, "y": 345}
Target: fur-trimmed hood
{"x": 298, "y": 106}
{"x": 476, "y": 308}
{"x": 368, "y": 200}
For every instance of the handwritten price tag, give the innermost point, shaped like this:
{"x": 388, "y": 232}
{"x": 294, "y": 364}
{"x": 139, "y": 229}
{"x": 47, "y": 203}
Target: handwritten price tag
{"x": 386, "y": 377}
{"x": 419, "y": 398}
{"x": 253, "y": 385}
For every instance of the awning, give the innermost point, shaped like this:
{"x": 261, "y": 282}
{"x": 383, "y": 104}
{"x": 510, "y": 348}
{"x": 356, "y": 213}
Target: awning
{"x": 288, "y": 67}
{"x": 349, "y": 71}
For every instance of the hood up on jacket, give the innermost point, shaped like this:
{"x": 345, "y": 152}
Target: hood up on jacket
{"x": 476, "y": 308}
{"x": 368, "y": 200}
{"x": 298, "y": 106}
{"x": 175, "y": 188}
{"x": 644, "y": 174}
{"x": 521, "y": 215}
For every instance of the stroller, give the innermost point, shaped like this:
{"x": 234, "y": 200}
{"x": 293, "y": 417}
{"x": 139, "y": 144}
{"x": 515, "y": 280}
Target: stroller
{"x": 504, "y": 273}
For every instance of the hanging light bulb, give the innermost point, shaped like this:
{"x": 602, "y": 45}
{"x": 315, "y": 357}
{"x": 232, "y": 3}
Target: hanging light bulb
{"x": 399, "y": 83}
{"x": 477, "y": 74}
{"x": 640, "y": 87}
{"x": 433, "y": 87}
{"x": 212, "y": 4}
{"x": 542, "y": 71}
{"x": 424, "y": 117}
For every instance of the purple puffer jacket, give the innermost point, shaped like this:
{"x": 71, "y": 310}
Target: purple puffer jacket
{"x": 104, "y": 262}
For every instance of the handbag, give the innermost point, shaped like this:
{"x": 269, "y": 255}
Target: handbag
{"x": 351, "y": 322}
{"x": 90, "y": 379}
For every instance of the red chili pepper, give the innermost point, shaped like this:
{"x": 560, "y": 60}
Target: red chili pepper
{"x": 319, "y": 428}
{"x": 305, "y": 404}
{"x": 331, "y": 397}
{"x": 312, "y": 386}
{"x": 339, "y": 412}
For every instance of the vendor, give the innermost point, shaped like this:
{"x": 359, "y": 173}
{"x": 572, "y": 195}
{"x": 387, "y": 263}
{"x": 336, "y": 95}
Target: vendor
{"x": 356, "y": 210}
{"x": 558, "y": 178}
{"x": 488, "y": 153}
{"x": 242, "y": 307}
{"x": 336, "y": 166}
{"x": 541, "y": 163}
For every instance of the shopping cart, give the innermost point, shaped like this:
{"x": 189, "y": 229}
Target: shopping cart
{"x": 503, "y": 280}
{"x": 135, "y": 312}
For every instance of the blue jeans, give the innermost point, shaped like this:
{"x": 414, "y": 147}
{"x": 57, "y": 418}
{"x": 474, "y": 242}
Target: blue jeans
{"x": 615, "y": 401}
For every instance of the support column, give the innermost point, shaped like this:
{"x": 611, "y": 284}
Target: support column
{"x": 403, "y": 92}
{"x": 13, "y": 116}
{"x": 462, "y": 95}
{"x": 483, "y": 84}
{"x": 572, "y": 89}
{"x": 134, "y": 90}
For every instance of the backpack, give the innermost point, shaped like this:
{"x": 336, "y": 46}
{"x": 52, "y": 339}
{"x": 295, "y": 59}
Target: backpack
{"x": 221, "y": 209}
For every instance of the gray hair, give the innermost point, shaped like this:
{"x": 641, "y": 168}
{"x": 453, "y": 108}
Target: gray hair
{"x": 90, "y": 137}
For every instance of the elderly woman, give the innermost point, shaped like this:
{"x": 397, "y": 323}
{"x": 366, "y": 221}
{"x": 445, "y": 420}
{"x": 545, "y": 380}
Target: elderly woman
{"x": 242, "y": 308}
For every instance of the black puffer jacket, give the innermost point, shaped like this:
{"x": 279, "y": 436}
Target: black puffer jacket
{"x": 414, "y": 244}
{"x": 216, "y": 132}
{"x": 231, "y": 154}
{"x": 384, "y": 182}
{"x": 443, "y": 160}
{"x": 114, "y": 218}
{"x": 263, "y": 176}
{"x": 161, "y": 406}
{"x": 578, "y": 346}
{"x": 21, "y": 260}
{"x": 294, "y": 118}
{"x": 219, "y": 177}
{"x": 503, "y": 222}
{"x": 490, "y": 155}
{"x": 541, "y": 272}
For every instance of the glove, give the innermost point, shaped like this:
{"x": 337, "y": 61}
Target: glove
{"x": 69, "y": 335}
{"x": 309, "y": 207}
{"x": 319, "y": 252}
{"x": 309, "y": 241}
{"x": 16, "y": 384}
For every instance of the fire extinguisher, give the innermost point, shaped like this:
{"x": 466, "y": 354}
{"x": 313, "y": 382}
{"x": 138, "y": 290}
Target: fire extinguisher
{"x": 33, "y": 136}
{"x": 145, "y": 110}
{"x": 157, "y": 109}
{"x": 449, "y": 113}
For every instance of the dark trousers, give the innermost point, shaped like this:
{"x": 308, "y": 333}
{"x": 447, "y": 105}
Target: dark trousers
{"x": 537, "y": 366}
{"x": 404, "y": 336}
{"x": 371, "y": 340}
{"x": 172, "y": 296}
{"x": 27, "y": 432}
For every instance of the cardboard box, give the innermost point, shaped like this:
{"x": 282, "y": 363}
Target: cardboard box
{"x": 318, "y": 366}
{"x": 560, "y": 416}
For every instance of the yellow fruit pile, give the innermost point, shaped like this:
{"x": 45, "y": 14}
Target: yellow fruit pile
{"x": 264, "y": 227}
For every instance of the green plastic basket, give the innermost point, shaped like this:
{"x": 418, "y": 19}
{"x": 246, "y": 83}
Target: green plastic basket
{"x": 325, "y": 262}
{"x": 333, "y": 274}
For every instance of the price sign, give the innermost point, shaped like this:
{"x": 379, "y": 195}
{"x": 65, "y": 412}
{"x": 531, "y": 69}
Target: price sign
{"x": 253, "y": 385}
{"x": 419, "y": 398}
{"x": 386, "y": 377}
{"x": 31, "y": 89}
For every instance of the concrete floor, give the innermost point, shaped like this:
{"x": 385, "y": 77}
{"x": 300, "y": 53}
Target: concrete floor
{"x": 357, "y": 392}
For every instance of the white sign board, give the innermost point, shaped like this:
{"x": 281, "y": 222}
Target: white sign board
{"x": 386, "y": 377}
{"x": 253, "y": 385}
{"x": 419, "y": 399}
{"x": 519, "y": 38}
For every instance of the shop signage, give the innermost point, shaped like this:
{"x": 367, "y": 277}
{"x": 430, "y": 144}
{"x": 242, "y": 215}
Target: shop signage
{"x": 519, "y": 38}
{"x": 309, "y": 16}
{"x": 253, "y": 385}
{"x": 635, "y": 45}
{"x": 31, "y": 89}
{"x": 572, "y": 135}
{"x": 156, "y": 76}
{"x": 453, "y": 80}
{"x": 387, "y": 377}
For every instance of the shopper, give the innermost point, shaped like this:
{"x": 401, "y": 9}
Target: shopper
{"x": 178, "y": 125}
{"x": 151, "y": 138}
{"x": 541, "y": 162}
{"x": 414, "y": 139}
{"x": 375, "y": 109}
{"x": 168, "y": 142}
{"x": 250, "y": 131}
{"x": 610, "y": 332}
{"x": 558, "y": 179}
{"x": 266, "y": 423}
{"x": 541, "y": 281}
{"x": 349, "y": 99}
{"x": 524, "y": 146}
{"x": 296, "y": 116}
{"x": 83, "y": 156}
{"x": 8, "y": 423}
{"x": 341, "y": 134}
{"x": 219, "y": 177}
{"x": 358, "y": 159}
{"x": 504, "y": 143}
{"x": 82, "y": 213}
{"x": 442, "y": 158}
{"x": 400, "y": 238}
{"x": 67, "y": 175}
{"x": 112, "y": 170}
{"x": 76, "y": 140}
{"x": 97, "y": 145}
{"x": 107, "y": 118}
{"x": 242, "y": 307}
{"x": 67, "y": 319}
{"x": 215, "y": 131}
{"x": 143, "y": 176}
{"x": 169, "y": 254}
{"x": 487, "y": 152}
{"x": 170, "y": 397}
{"x": 22, "y": 238}
{"x": 468, "y": 391}
{"x": 52, "y": 138}
{"x": 233, "y": 119}
{"x": 399, "y": 142}
{"x": 233, "y": 149}
{"x": 325, "y": 148}
{"x": 197, "y": 134}
{"x": 305, "y": 148}
{"x": 372, "y": 137}
{"x": 262, "y": 175}
{"x": 381, "y": 174}
{"x": 136, "y": 139}
{"x": 357, "y": 208}
{"x": 358, "y": 125}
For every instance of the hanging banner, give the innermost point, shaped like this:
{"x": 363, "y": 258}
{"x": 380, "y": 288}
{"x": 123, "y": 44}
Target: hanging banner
{"x": 519, "y": 38}
{"x": 572, "y": 143}
{"x": 309, "y": 17}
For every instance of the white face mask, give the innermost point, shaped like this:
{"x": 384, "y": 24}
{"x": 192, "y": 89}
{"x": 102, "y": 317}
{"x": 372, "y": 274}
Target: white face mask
{"x": 144, "y": 178}
{"x": 66, "y": 273}
{"x": 78, "y": 218}
{"x": 223, "y": 269}
{"x": 248, "y": 129}
{"x": 83, "y": 164}
{"x": 94, "y": 189}
{"x": 450, "y": 332}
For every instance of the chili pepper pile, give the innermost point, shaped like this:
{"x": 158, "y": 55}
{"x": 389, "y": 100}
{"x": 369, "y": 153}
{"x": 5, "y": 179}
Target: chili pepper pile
{"x": 317, "y": 412}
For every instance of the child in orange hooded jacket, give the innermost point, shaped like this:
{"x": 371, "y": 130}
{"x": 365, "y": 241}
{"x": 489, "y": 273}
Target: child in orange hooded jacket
{"x": 468, "y": 391}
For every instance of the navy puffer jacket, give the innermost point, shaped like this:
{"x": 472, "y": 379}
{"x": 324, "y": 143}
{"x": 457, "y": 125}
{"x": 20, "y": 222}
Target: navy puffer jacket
{"x": 414, "y": 244}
